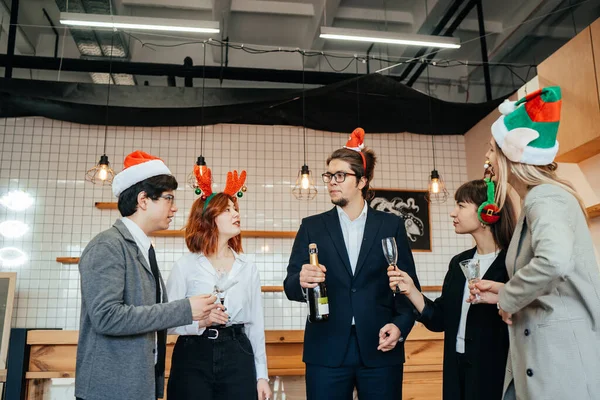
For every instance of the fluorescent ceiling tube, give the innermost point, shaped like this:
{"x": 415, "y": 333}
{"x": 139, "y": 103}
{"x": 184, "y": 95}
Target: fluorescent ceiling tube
{"x": 138, "y": 23}
{"x": 389, "y": 37}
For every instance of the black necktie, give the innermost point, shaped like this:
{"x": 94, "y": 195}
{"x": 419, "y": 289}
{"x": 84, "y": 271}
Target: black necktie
{"x": 162, "y": 335}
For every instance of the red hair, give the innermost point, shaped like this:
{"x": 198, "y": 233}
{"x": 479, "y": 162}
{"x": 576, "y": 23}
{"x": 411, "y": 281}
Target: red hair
{"x": 201, "y": 232}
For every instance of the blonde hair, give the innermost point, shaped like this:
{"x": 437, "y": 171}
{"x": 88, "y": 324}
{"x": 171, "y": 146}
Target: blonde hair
{"x": 530, "y": 175}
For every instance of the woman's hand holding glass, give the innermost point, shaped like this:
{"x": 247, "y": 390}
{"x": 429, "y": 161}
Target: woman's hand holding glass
{"x": 487, "y": 291}
{"x": 488, "y": 294}
{"x": 402, "y": 280}
{"x": 216, "y": 317}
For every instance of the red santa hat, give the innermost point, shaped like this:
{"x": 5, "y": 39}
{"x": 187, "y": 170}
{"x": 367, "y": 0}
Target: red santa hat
{"x": 137, "y": 167}
{"x": 356, "y": 142}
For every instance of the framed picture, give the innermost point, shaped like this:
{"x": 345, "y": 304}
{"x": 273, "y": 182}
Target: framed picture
{"x": 8, "y": 281}
{"x": 413, "y": 207}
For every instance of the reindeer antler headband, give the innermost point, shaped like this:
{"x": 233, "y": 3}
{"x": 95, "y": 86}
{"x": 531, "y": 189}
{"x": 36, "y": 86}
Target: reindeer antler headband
{"x": 233, "y": 186}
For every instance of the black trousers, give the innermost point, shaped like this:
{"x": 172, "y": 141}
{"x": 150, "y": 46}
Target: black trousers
{"x": 213, "y": 369}
{"x": 326, "y": 383}
{"x": 463, "y": 365}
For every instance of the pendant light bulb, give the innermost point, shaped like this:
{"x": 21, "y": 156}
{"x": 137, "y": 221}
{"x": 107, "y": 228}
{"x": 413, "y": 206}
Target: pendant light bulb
{"x": 305, "y": 181}
{"x": 435, "y": 185}
{"x": 103, "y": 173}
{"x": 437, "y": 188}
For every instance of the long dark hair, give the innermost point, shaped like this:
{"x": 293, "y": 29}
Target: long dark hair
{"x": 475, "y": 192}
{"x": 356, "y": 165}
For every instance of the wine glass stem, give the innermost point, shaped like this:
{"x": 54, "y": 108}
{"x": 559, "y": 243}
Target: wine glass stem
{"x": 397, "y": 286}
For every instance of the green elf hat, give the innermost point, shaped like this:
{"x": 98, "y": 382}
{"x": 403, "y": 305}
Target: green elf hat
{"x": 526, "y": 131}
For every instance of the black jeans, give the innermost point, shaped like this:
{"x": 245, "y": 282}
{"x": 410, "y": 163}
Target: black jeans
{"x": 213, "y": 369}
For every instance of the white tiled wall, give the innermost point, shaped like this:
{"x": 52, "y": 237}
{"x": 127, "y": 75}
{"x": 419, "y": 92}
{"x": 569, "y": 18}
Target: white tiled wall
{"x": 48, "y": 159}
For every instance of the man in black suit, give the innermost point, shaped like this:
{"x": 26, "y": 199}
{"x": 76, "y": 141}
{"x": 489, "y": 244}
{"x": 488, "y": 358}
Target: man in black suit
{"x": 362, "y": 343}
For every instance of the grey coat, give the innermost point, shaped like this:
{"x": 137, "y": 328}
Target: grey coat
{"x": 553, "y": 293}
{"x": 119, "y": 319}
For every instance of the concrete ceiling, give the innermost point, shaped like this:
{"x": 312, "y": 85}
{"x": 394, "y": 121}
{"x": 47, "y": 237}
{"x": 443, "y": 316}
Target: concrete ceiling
{"x": 517, "y": 31}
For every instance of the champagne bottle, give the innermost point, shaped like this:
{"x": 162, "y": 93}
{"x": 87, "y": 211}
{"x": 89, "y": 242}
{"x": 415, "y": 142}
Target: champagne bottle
{"x": 318, "y": 303}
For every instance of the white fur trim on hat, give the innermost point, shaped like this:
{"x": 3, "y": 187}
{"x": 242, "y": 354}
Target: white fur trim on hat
{"x": 358, "y": 149}
{"x": 499, "y": 131}
{"x": 530, "y": 155}
{"x": 537, "y": 156}
{"x": 507, "y": 107}
{"x": 137, "y": 173}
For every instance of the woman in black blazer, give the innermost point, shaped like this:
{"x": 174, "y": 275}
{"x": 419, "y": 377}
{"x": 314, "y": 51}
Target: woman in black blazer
{"x": 475, "y": 337}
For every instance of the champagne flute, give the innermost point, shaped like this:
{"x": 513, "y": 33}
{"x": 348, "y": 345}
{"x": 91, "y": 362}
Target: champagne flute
{"x": 390, "y": 251}
{"x": 471, "y": 269}
{"x": 222, "y": 285}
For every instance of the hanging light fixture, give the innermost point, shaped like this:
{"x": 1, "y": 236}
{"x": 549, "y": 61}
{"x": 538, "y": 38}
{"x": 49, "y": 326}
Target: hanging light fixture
{"x": 102, "y": 173}
{"x": 437, "y": 187}
{"x": 200, "y": 161}
{"x": 305, "y": 184}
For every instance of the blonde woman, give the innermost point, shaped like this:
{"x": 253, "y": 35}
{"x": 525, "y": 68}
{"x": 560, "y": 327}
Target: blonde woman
{"x": 551, "y": 301}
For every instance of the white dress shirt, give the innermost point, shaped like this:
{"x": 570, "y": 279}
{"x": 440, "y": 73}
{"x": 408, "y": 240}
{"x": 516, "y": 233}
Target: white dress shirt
{"x": 353, "y": 232}
{"x": 485, "y": 261}
{"x": 193, "y": 274}
{"x": 144, "y": 243}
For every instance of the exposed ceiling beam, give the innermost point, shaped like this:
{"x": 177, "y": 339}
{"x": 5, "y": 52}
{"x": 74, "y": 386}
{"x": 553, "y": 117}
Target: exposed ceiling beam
{"x": 374, "y": 15}
{"x": 430, "y": 18}
{"x": 324, "y": 15}
{"x": 472, "y": 25}
{"x": 272, "y": 7}
{"x": 523, "y": 23}
{"x": 405, "y": 18}
{"x": 428, "y": 13}
{"x": 22, "y": 43}
{"x": 196, "y": 5}
{"x": 556, "y": 32}
{"x": 221, "y": 12}
{"x": 155, "y": 69}
{"x": 441, "y": 23}
{"x": 447, "y": 32}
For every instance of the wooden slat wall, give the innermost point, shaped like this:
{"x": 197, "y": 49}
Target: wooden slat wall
{"x": 53, "y": 354}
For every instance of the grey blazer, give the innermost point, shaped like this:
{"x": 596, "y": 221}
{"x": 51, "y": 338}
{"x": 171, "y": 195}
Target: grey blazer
{"x": 553, "y": 293}
{"x": 119, "y": 319}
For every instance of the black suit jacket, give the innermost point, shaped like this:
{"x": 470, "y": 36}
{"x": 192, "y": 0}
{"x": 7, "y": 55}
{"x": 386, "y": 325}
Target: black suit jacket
{"x": 486, "y": 336}
{"x": 364, "y": 295}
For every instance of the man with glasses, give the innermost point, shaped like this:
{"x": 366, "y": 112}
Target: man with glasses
{"x": 124, "y": 310}
{"x": 362, "y": 343}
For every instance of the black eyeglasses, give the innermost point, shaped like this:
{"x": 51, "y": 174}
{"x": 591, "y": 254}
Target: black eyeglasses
{"x": 339, "y": 176}
{"x": 168, "y": 197}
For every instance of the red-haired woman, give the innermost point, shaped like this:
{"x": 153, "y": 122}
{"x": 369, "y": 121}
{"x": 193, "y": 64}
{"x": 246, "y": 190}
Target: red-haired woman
{"x": 223, "y": 356}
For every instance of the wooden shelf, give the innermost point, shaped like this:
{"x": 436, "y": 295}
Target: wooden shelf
{"x": 106, "y": 206}
{"x": 181, "y": 232}
{"x": 245, "y": 234}
{"x": 67, "y": 260}
{"x": 271, "y": 289}
{"x": 594, "y": 211}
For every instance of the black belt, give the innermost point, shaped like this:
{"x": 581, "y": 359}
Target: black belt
{"x": 220, "y": 332}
